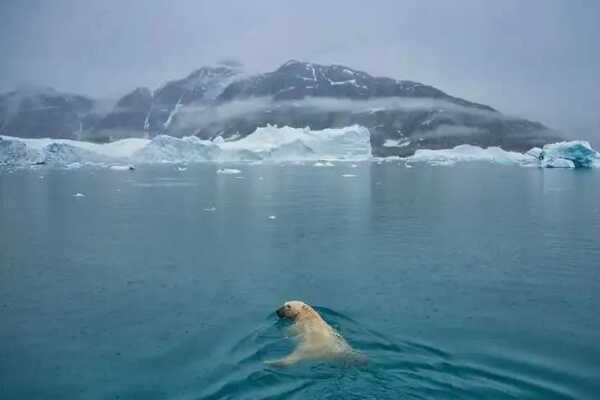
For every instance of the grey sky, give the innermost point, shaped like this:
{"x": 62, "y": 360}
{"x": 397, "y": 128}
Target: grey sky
{"x": 538, "y": 59}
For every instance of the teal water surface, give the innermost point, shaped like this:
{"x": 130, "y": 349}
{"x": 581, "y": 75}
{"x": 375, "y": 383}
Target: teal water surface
{"x": 468, "y": 282}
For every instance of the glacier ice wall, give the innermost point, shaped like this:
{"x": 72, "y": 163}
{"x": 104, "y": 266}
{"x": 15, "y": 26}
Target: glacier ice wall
{"x": 267, "y": 143}
{"x": 272, "y": 143}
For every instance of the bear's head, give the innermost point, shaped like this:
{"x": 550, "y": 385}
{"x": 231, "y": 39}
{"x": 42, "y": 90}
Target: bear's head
{"x": 293, "y": 309}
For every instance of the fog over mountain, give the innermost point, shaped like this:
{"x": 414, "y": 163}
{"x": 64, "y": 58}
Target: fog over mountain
{"x": 536, "y": 59}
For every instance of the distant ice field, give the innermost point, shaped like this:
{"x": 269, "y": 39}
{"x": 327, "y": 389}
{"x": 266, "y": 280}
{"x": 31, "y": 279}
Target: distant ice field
{"x": 273, "y": 144}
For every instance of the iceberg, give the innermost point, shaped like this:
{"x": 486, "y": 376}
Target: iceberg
{"x": 296, "y": 144}
{"x": 268, "y": 143}
{"x": 273, "y": 144}
{"x": 470, "y": 153}
{"x": 573, "y": 154}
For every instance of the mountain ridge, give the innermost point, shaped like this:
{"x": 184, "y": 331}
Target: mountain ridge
{"x": 401, "y": 115}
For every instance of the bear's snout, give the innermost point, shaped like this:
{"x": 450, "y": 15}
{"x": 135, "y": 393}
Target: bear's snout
{"x": 280, "y": 313}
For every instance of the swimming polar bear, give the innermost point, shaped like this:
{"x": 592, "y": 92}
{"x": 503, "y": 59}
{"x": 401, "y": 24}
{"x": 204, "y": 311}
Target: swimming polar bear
{"x": 316, "y": 339}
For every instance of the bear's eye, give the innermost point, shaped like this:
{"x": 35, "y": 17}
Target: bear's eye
{"x": 288, "y": 306}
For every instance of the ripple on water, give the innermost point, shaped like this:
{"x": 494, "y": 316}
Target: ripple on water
{"x": 405, "y": 369}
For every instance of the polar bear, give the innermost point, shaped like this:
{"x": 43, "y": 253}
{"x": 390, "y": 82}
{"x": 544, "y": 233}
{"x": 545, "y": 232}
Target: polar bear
{"x": 316, "y": 339}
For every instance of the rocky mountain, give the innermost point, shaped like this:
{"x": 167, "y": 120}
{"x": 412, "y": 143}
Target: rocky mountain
{"x": 44, "y": 112}
{"x": 402, "y": 116}
{"x": 297, "y": 80}
{"x": 146, "y": 113}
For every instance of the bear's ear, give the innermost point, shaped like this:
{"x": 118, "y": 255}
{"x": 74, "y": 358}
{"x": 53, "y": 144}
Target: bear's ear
{"x": 305, "y": 307}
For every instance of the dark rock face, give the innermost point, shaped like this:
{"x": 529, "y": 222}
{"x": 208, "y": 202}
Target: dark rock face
{"x": 402, "y": 116}
{"x": 143, "y": 113}
{"x": 128, "y": 118}
{"x": 297, "y": 80}
{"x": 199, "y": 88}
{"x": 43, "y": 112}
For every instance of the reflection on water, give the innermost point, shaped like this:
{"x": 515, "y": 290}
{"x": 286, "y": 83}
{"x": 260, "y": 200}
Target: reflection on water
{"x": 471, "y": 282}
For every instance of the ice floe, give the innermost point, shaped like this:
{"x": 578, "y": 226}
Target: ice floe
{"x": 122, "y": 167}
{"x": 324, "y": 164}
{"x": 228, "y": 171}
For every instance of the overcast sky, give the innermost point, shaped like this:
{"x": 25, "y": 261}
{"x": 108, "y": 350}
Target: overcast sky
{"x": 538, "y": 59}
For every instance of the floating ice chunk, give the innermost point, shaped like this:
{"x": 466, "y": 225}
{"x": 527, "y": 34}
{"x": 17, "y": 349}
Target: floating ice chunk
{"x": 210, "y": 209}
{"x": 578, "y": 152}
{"x": 272, "y": 217}
{"x": 324, "y": 164}
{"x": 348, "y": 175}
{"x": 353, "y": 166}
{"x": 79, "y": 195}
{"x": 228, "y": 171}
{"x": 122, "y": 167}
{"x": 181, "y": 169}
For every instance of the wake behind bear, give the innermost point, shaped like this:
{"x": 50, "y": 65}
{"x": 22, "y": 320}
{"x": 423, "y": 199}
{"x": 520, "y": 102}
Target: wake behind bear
{"x": 316, "y": 339}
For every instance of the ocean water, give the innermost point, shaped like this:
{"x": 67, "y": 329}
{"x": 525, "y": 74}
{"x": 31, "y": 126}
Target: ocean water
{"x": 467, "y": 282}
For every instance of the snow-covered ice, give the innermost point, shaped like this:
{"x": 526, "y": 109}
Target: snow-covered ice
{"x": 273, "y": 144}
{"x": 268, "y": 143}
{"x": 466, "y": 152}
